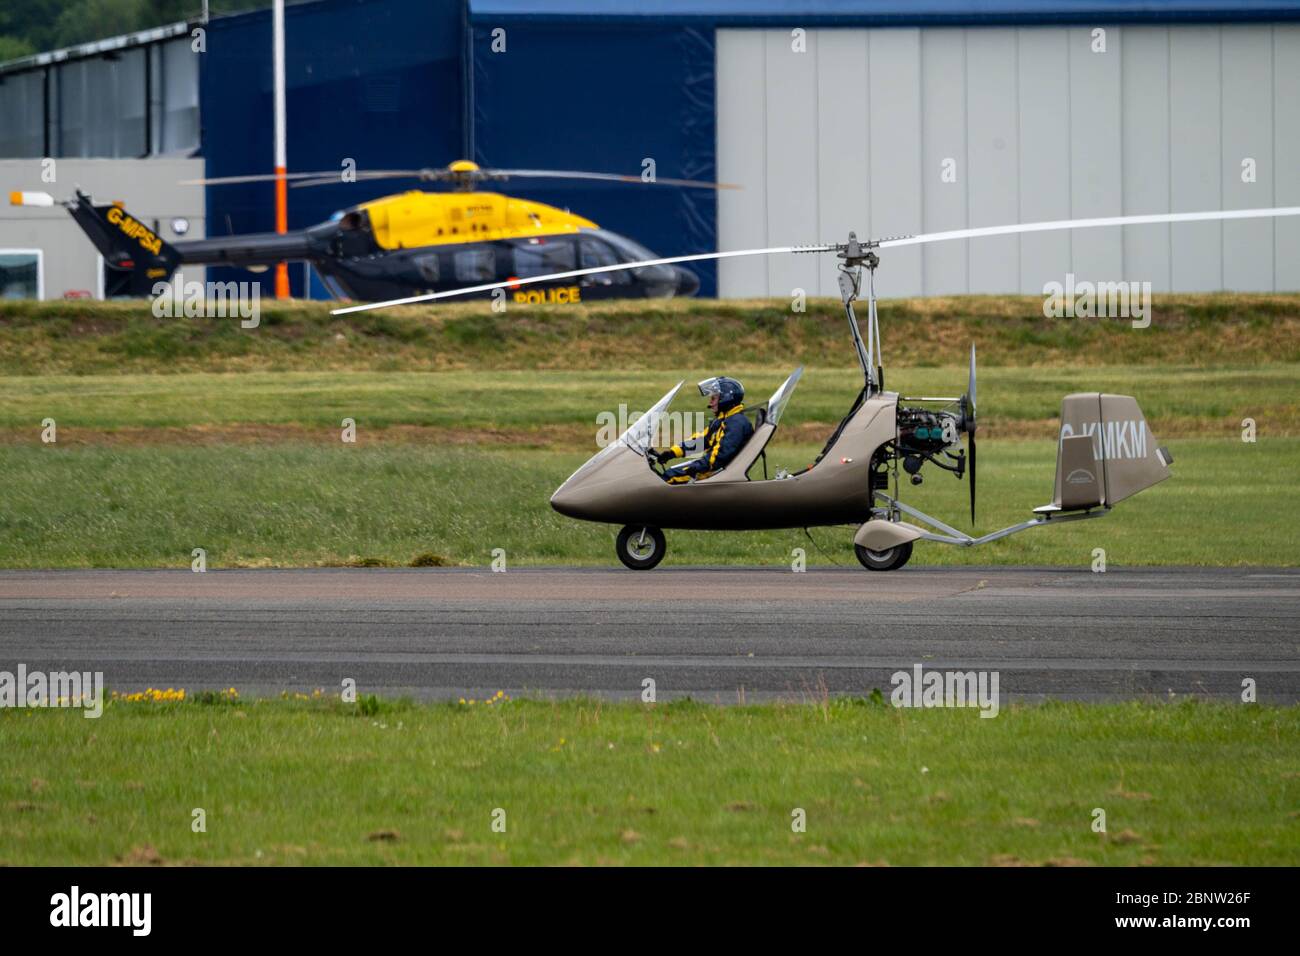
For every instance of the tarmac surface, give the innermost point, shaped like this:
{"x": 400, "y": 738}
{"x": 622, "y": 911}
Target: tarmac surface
{"x": 717, "y": 635}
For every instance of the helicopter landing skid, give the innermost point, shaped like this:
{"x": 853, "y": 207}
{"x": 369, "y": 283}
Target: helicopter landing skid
{"x": 951, "y": 535}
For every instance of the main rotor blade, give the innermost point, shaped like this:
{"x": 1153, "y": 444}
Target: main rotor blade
{"x": 331, "y": 175}
{"x": 606, "y": 177}
{"x": 575, "y": 273}
{"x": 336, "y": 178}
{"x": 1017, "y": 228}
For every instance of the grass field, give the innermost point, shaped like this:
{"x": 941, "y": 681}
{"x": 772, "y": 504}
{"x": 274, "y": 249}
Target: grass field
{"x": 299, "y": 504}
{"x": 319, "y": 782}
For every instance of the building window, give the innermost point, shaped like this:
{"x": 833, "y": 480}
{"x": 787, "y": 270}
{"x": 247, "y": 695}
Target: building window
{"x": 21, "y": 274}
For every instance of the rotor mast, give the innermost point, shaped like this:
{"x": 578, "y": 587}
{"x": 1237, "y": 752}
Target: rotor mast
{"x": 855, "y": 255}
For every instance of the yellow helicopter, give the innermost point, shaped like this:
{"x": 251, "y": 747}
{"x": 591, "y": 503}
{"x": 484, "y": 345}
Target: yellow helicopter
{"x": 412, "y": 243}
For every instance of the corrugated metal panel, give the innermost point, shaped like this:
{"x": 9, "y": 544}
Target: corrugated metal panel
{"x": 1045, "y": 193}
{"x": 1036, "y": 123}
{"x": 1286, "y": 147}
{"x": 1146, "y": 131}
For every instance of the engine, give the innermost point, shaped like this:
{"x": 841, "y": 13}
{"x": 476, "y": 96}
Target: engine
{"x": 927, "y": 432}
{"x": 924, "y": 435}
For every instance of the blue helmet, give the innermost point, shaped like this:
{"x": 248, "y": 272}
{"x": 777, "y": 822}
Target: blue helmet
{"x": 729, "y": 391}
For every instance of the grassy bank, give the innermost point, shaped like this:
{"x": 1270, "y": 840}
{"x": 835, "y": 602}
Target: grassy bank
{"x": 562, "y": 408}
{"x": 92, "y": 337}
{"x": 595, "y": 783}
{"x": 303, "y": 504}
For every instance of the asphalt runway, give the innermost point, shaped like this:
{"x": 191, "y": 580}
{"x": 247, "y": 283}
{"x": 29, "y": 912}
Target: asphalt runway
{"x": 716, "y": 635}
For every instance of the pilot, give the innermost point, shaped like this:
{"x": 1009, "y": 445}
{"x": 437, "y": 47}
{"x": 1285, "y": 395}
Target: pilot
{"x": 725, "y": 435}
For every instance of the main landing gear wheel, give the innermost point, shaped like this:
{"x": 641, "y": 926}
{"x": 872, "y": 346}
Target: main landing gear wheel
{"x": 641, "y": 547}
{"x": 890, "y": 559}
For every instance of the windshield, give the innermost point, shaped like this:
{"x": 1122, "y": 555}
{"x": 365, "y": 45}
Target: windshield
{"x": 630, "y": 251}
{"x": 781, "y": 397}
{"x": 638, "y": 437}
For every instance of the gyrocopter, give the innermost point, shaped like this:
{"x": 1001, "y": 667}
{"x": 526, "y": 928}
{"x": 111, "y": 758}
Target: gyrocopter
{"x": 1105, "y": 450}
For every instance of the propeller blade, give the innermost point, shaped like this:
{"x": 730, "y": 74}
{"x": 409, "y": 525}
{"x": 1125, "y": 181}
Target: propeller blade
{"x": 971, "y": 439}
{"x": 512, "y": 283}
{"x": 984, "y": 231}
{"x": 605, "y": 177}
{"x": 970, "y": 385}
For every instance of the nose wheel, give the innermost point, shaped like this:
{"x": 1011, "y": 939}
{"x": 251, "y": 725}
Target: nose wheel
{"x": 891, "y": 559}
{"x": 641, "y": 547}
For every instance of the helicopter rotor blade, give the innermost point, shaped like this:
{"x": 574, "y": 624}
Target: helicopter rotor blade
{"x": 605, "y": 177}
{"x": 576, "y": 273}
{"x": 1017, "y": 228}
{"x": 326, "y": 175}
{"x": 425, "y": 175}
{"x": 331, "y": 176}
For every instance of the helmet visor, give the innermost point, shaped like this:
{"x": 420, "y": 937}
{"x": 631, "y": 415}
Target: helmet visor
{"x": 711, "y": 386}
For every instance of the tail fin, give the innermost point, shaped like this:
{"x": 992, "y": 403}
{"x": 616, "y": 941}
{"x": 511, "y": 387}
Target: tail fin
{"x": 127, "y": 244}
{"x": 1106, "y": 453}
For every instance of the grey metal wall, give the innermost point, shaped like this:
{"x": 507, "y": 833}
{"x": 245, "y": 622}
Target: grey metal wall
{"x": 148, "y": 188}
{"x": 854, "y": 132}
{"x": 144, "y": 101}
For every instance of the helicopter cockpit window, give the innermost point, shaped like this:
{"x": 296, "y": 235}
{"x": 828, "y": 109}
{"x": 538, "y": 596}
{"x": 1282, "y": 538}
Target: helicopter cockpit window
{"x": 592, "y": 254}
{"x": 658, "y": 279}
{"x": 475, "y": 265}
{"x": 543, "y": 258}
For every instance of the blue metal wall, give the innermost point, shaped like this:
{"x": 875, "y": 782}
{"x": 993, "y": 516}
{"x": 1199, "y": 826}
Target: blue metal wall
{"x": 605, "y": 98}
{"x": 378, "y": 81}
